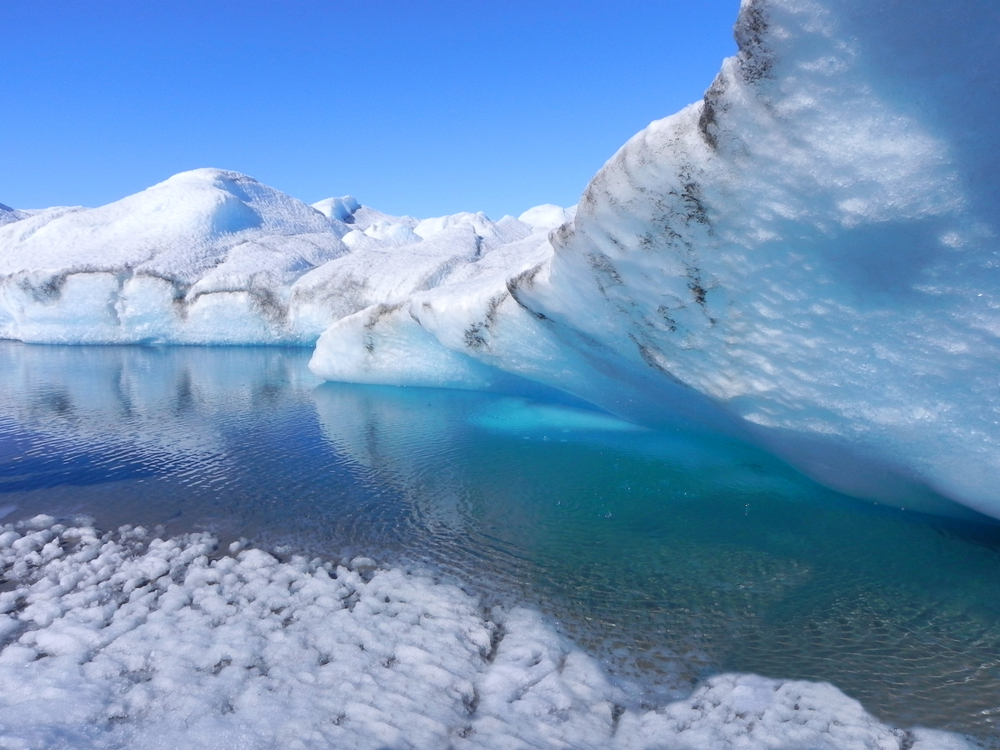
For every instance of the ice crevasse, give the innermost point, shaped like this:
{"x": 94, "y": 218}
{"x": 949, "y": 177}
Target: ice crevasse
{"x": 806, "y": 258}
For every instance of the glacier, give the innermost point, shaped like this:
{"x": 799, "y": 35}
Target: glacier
{"x": 806, "y": 259}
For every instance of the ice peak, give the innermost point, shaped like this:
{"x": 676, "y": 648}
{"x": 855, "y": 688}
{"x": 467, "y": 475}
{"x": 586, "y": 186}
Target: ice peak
{"x": 342, "y": 209}
{"x": 547, "y": 216}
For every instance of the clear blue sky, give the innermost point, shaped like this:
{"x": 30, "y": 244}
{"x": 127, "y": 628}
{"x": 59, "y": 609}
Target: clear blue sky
{"x": 420, "y": 107}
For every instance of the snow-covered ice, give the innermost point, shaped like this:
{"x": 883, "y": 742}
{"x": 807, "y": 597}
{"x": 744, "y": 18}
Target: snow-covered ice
{"x": 202, "y": 257}
{"x": 215, "y": 257}
{"x": 129, "y": 640}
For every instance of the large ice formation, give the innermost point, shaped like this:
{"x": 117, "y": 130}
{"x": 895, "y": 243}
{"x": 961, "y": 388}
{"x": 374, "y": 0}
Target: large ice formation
{"x": 806, "y": 259}
{"x": 215, "y": 257}
{"x": 128, "y": 640}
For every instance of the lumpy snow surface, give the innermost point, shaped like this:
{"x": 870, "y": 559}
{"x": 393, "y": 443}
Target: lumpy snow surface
{"x": 805, "y": 259}
{"x": 129, "y": 640}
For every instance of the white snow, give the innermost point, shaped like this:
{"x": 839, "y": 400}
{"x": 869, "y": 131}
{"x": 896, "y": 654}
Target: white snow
{"x": 380, "y": 273}
{"x": 127, "y": 640}
{"x": 547, "y": 216}
{"x": 8, "y": 214}
{"x": 341, "y": 209}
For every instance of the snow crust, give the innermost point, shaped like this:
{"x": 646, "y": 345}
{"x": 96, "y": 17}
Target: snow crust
{"x": 123, "y": 639}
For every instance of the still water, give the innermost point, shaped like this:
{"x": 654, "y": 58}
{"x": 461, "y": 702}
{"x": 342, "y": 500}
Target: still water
{"x": 669, "y": 555}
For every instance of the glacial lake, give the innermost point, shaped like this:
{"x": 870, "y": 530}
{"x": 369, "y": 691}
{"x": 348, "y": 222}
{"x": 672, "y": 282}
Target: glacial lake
{"x": 669, "y": 555}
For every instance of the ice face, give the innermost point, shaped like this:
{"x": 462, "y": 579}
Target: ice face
{"x": 805, "y": 259}
{"x": 812, "y": 247}
{"x": 128, "y": 640}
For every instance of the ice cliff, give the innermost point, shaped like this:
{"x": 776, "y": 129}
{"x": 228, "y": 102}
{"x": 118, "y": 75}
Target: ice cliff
{"x": 807, "y": 258}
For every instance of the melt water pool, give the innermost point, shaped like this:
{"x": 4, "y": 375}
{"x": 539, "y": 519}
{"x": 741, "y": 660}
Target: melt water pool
{"x": 669, "y": 555}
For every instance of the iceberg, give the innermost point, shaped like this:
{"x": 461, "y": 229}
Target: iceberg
{"x": 204, "y": 257}
{"x": 804, "y": 260}
{"x": 215, "y": 257}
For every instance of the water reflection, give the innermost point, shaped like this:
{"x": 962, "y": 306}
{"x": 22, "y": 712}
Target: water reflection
{"x": 668, "y": 554}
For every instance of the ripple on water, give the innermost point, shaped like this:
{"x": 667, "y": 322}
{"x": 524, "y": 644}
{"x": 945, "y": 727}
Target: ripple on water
{"x": 670, "y": 555}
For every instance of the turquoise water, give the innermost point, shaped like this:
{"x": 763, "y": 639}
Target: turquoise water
{"x": 669, "y": 555}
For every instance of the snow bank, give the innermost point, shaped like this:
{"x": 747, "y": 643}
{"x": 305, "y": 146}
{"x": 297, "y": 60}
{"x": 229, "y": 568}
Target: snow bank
{"x": 126, "y": 640}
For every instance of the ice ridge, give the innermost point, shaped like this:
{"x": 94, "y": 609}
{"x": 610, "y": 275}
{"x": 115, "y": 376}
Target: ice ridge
{"x": 805, "y": 259}
{"x": 215, "y": 257}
